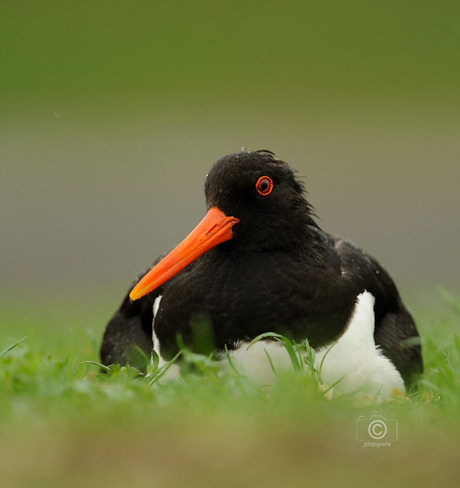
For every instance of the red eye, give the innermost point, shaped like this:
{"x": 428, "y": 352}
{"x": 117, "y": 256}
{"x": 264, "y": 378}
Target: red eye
{"x": 264, "y": 185}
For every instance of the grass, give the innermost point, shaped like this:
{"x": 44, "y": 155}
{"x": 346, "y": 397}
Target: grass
{"x": 64, "y": 423}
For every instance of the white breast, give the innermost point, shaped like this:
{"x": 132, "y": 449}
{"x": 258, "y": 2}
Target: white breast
{"x": 173, "y": 371}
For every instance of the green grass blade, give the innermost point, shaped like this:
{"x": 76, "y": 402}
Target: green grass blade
{"x": 230, "y": 361}
{"x": 99, "y": 365}
{"x": 265, "y": 335}
{"x": 272, "y": 366}
{"x": 12, "y": 346}
{"x": 449, "y": 299}
{"x": 162, "y": 371}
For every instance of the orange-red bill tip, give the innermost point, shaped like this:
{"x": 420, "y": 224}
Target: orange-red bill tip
{"x": 214, "y": 229}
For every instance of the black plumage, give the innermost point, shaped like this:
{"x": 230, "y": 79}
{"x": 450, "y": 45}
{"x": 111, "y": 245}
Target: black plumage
{"x": 279, "y": 273}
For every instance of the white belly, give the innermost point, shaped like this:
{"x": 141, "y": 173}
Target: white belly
{"x": 354, "y": 360}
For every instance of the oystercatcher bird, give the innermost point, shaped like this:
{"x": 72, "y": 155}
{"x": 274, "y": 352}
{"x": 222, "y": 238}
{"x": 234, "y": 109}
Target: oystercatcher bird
{"x": 258, "y": 262}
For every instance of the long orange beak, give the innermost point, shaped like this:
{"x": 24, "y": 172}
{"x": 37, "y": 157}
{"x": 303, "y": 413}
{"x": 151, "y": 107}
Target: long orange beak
{"x": 215, "y": 228}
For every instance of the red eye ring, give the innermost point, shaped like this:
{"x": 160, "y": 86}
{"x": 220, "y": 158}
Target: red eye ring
{"x": 264, "y": 185}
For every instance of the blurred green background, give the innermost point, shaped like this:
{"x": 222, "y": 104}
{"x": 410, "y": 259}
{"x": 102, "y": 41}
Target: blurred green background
{"x": 111, "y": 113}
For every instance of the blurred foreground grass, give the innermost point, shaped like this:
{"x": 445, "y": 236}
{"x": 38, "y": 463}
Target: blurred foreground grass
{"x": 62, "y": 422}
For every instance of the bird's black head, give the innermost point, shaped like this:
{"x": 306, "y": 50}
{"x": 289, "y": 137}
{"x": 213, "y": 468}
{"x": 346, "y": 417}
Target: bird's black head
{"x": 255, "y": 203}
{"x": 264, "y": 194}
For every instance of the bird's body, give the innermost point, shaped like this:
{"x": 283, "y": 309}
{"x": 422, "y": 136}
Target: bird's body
{"x": 274, "y": 271}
